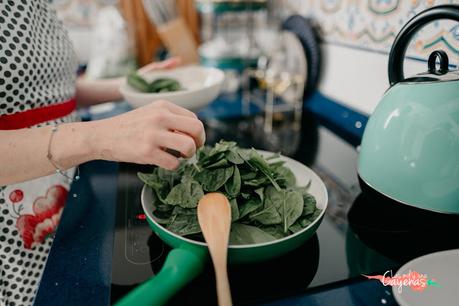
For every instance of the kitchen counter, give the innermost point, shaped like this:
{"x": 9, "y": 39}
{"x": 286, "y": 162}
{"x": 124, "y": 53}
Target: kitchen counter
{"x": 104, "y": 247}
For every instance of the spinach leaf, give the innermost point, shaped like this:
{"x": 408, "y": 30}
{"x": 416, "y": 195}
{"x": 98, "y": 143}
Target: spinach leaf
{"x": 233, "y": 185}
{"x": 277, "y": 164}
{"x": 233, "y": 157}
{"x": 280, "y": 207}
{"x": 218, "y": 164}
{"x": 189, "y": 170}
{"x": 257, "y": 182}
{"x": 315, "y": 215}
{"x": 209, "y": 160}
{"x": 257, "y": 161}
{"x": 295, "y": 228}
{"x": 286, "y": 176}
{"x": 213, "y": 179}
{"x": 222, "y": 146}
{"x": 300, "y": 224}
{"x": 168, "y": 176}
{"x": 184, "y": 224}
{"x": 160, "y": 188}
{"x": 249, "y": 206}
{"x": 261, "y": 193}
{"x": 305, "y": 221}
{"x": 273, "y": 197}
{"x": 247, "y": 234}
{"x": 292, "y": 208}
{"x": 267, "y": 216}
{"x": 275, "y": 230}
{"x": 162, "y": 213}
{"x": 186, "y": 194}
{"x": 309, "y": 206}
{"x": 270, "y": 214}
{"x": 248, "y": 175}
{"x": 152, "y": 180}
{"x": 234, "y": 210}
{"x": 202, "y": 153}
{"x": 245, "y": 154}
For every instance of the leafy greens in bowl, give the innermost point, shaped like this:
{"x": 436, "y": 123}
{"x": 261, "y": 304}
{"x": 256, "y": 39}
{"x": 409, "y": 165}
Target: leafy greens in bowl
{"x": 266, "y": 203}
{"x": 155, "y": 86}
{"x": 192, "y": 87}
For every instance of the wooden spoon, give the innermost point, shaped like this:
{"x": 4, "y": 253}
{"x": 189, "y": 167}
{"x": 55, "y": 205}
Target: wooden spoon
{"x": 214, "y": 216}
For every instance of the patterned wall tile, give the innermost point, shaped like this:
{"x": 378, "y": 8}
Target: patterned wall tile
{"x": 373, "y": 24}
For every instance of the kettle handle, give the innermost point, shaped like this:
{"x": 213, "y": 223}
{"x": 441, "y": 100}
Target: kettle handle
{"x": 397, "y": 53}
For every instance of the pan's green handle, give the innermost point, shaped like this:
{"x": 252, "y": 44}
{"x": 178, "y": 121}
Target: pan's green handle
{"x": 182, "y": 265}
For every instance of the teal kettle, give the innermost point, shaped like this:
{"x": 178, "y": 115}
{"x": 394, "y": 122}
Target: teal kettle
{"x": 410, "y": 147}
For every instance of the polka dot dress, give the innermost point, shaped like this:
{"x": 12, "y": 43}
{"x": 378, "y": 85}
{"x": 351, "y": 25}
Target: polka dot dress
{"x": 37, "y": 62}
{"x": 37, "y": 68}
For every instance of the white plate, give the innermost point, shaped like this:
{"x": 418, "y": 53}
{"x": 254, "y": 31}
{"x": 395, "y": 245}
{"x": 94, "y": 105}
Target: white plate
{"x": 303, "y": 176}
{"x": 201, "y": 86}
{"x": 441, "y": 266}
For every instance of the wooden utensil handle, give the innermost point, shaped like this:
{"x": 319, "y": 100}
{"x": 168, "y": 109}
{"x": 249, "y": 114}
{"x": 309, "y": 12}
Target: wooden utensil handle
{"x": 179, "y": 40}
{"x": 223, "y": 288}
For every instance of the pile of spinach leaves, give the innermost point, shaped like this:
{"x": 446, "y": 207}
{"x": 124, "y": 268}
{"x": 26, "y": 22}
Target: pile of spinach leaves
{"x": 265, "y": 202}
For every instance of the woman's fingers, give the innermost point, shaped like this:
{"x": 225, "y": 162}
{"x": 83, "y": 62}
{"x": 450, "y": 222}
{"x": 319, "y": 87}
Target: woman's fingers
{"x": 170, "y": 63}
{"x": 166, "y": 64}
{"x": 189, "y": 126}
{"x": 182, "y": 120}
{"x": 152, "y": 130}
{"x": 173, "y": 108}
{"x": 165, "y": 160}
{"x": 178, "y": 142}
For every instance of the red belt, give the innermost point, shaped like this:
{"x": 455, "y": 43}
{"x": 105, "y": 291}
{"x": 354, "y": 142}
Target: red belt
{"x": 37, "y": 115}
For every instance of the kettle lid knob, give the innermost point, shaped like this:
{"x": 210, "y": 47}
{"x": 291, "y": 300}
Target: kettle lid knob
{"x": 438, "y": 70}
{"x": 442, "y": 58}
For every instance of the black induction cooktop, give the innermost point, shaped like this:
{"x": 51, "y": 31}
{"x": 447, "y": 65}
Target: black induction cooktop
{"x": 359, "y": 234}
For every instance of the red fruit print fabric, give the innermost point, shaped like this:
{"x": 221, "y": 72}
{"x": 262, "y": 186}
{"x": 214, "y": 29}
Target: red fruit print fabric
{"x": 47, "y": 213}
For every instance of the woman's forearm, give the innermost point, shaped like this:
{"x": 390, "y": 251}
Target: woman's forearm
{"x": 138, "y": 136}
{"x": 91, "y": 92}
{"x": 24, "y": 152}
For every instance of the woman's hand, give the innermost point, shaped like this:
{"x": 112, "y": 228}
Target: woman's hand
{"x": 143, "y": 135}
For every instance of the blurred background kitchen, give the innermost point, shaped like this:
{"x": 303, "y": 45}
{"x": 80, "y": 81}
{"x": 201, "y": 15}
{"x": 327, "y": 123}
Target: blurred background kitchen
{"x": 111, "y": 37}
{"x": 340, "y": 74}
{"x": 281, "y": 58}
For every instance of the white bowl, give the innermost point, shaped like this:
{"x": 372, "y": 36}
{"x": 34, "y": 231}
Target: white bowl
{"x": 201, "y": 85}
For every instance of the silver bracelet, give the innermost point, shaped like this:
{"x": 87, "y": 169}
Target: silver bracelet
{"x": 50, "y": 158}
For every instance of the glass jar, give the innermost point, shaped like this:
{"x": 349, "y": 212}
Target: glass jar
{"x": 228, "y": 34}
